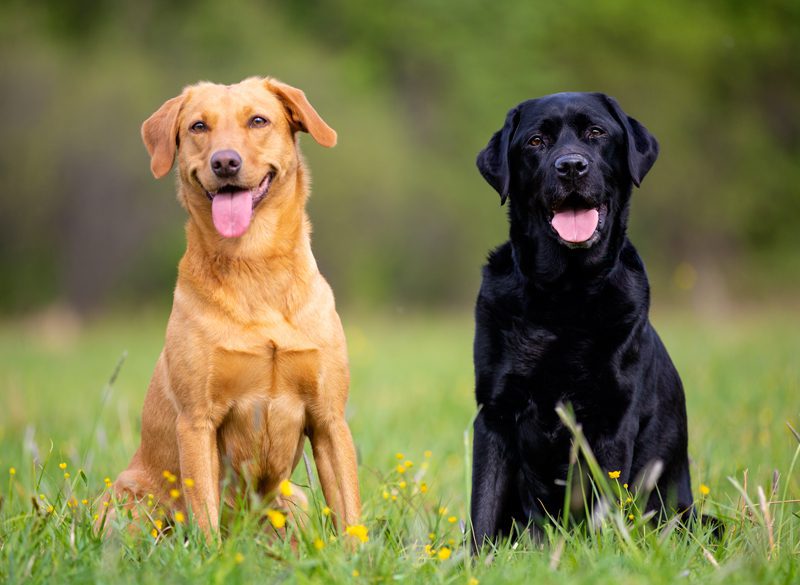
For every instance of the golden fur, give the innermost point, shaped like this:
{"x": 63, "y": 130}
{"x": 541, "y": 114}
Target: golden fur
{"x": 254, "y": 358}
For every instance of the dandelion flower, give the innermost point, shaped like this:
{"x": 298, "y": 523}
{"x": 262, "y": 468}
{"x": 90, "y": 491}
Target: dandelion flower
{"x": 429, "y": 550}
{"x": 107, "y": 481}
{"x": 276, "y": 518}
{"x": 704, "y": 489}
{"x": 188, "y": 482}
{"x": 154, "y": 533}
{"x": 66, "y": 475}
{"x": 174, "y": 493}
{"x": 385, "y": 495}
{"x": 401, "y": 468}
{"x": 473, "y": 581}
{"x": 358, "y": 531}
{"x": 62, "y": 465}
{"x": 319, "y": 544}
{"x": 400, "y": 456}
{"x": 285, "y": 488}
{"x": 159, "y": 524}
{"x": 180, "y": 518}
{"x": 326, "y": 511}
{"x": 423, "y": 487}
{"x": 408, "y": 463}
{"x": 402, "y": 485}
{"x": 452, "y": 519}
{"x": 631, "y": 516}
{"x": 12, "y": 471}
{"x": 444, "y": 553}
{"x": 614, "y": 474}
{"x": 356, "y": 573}
{"x": 239, "y": 558}
{"x": 85, "y": 502}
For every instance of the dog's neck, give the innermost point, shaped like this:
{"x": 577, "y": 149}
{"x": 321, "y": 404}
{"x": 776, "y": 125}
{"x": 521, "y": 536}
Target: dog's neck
{"x": 264, "y": 265}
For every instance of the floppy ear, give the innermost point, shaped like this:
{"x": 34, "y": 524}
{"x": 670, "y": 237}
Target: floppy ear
{"x": 160, "y": 135}
{"x": 492, "y": 161}
{"x": 302, "y": 114}
{"x": 642, "y": 146}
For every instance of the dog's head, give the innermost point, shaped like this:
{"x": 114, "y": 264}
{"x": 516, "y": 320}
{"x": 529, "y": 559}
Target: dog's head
{"x": 567, "y": 161}
{"x": 233, "y": 144}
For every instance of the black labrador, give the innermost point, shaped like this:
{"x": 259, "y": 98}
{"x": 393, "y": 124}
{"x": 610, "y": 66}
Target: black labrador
{"x": 562, "y": 316}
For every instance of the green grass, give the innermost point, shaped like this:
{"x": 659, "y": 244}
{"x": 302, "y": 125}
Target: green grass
{"x": 411, "y": 392}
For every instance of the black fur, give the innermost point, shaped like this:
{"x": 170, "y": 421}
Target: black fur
{"x": 564, "y": 322}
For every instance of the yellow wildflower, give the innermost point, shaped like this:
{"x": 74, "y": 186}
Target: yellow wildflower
{"x": 428, "y": 454}
{"x": 356, "y": 573}
{"x": 631, "y": 516}
{"x": 154, "y": 533}
{"x": 285, "y": 488}
{"x": 276, "y": 518}
{"x": 385, "y": 495}
{"x": 444, "y": 553}
{"x": 473, "y": 581}
{"x": 239, "y": 558}
{"x": 402, "y": 485}
{"x": 407, "y": 463}
{"x": 188, "y": 482}
{"x": 452, "y": 519}
{"x": 400, "y": 456}
{"x": 614, "y": 474}
{"x": 423, "y": 487}
{"x": 107, "y": 481}
{"x": 401, "y": 468}
{"x": 62, "y": 465}
{"x": 180, "y": 518}
{"x": 85, "y": 502}
{"x": 50, "y": 509}
{"x": 174, "y": 493}
{"x": 12, "y": 471}
{"x": 625, "y": 485}
{"x": 159, "y": 524}
{"x": 442, "y": 511}
{"x": 319, "y": 544}
{"x": 704, "y": 489}
{"x": 358, "y": 531}
{"x": 66, "y": 475}
{"x": 429, "y": 550}
{"x": 326, "y": 511}
{"x": 431, "y": 536}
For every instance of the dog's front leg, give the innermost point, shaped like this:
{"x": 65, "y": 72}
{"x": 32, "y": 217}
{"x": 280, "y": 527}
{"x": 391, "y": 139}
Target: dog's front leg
{"x": 199, "y": 459}
{"x": 335, "y": 457}
{"x": 491, "y": 483}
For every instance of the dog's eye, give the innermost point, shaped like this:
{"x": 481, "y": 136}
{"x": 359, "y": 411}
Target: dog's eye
{"x": 258, "y": 122}
{"x": 536, "y": 141}
{"x": 198, "y": 127}
{"x": 595, "y": 132}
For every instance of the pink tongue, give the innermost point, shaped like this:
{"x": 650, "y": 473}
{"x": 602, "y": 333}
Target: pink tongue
{"x": 231, "y": 213}
{"x": 575, "y": 225}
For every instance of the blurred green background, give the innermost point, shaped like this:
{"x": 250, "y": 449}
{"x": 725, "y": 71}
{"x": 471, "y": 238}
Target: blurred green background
{"x": 415, "y": 89}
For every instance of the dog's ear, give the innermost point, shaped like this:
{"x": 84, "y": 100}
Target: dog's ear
{"x": 642, "y": 146}
{"x": 493, "y": 162}
{"x": 160, "y": 136}
{"x": 302, "y": 115}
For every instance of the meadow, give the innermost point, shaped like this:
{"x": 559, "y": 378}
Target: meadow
{"x": 66, "y": 426}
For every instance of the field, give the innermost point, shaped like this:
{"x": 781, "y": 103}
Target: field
{"x": 63, "y": 430}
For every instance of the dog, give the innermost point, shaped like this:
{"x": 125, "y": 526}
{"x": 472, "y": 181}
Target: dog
{"x": 254, "y": 358}
{"x": 562, "y": 317}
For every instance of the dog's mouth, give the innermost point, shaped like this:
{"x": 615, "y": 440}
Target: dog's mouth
{"x": 232, "y": 206}
{"x": 577, "y": 222}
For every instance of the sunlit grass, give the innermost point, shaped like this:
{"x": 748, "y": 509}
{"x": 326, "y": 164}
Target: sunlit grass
{"x": 65, "y": 433}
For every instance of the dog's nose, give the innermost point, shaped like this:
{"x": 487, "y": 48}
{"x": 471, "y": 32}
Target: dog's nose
{"x": 572, "y": 166}
{"x": 226, "y": 163}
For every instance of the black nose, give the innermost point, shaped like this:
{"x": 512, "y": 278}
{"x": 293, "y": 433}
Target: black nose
{"x": 226, "y": 163}
{"x": 572, "y": 166}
